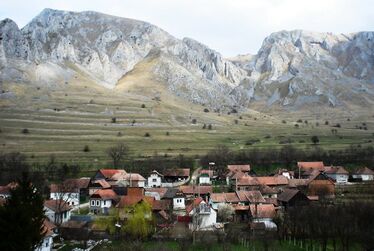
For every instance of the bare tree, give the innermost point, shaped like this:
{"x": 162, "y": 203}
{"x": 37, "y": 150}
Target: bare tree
{"x": 117, "y": 153}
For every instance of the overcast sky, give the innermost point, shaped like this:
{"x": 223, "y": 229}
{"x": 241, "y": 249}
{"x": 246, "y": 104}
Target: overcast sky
{"x": 229, "y": 26}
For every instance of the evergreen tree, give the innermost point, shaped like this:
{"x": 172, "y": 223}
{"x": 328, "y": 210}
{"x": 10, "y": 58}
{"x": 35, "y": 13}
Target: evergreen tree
{"x": 21, "y": 218}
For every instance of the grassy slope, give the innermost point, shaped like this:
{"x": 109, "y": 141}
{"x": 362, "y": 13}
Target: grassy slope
{"x": 86, "y": 109}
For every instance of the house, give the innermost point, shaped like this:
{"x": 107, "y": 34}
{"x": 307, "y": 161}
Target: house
{"x": 277, "y": 181}
{"x": 286, "y": 173}
{"x": 57, "y": 211}
{"x": 305, "y": 169}
{"x": 242, "y": 168}
{"x": 235, "y": 172}
{"x": 292, "y": 197}
{"x": 109, "y": 174}
{"x": 337, "y": 173}
{"x": 250, "y": 197}
{"x": 157, "y": 192}
{"x": 131, "y": 180}
{"x": 364, "y": 173}
{"x": 204, "y": 217}
{"x": 155, "y": 179}
{"x": 263, "y": 213}
{"x": 321, "y": 185}
{"x": 218, "y": 199}
{"x": 102, "y": 200}
{"x": 70, "y": 190}
{"x": 191, "y": 191}
{"x": 179, "y": 203}
{"x": 47, "y": 243}
{"x": 205, "y": 177}
{"x": 176, "y": 175}
{"x": 247, "y": 183}
{"x": 96, "y": 185}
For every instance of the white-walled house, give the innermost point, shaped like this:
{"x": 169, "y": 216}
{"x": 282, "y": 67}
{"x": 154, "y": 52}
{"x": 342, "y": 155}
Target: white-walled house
{"x": 71, "y": 198}
{"x": 365, "y": 174}
{"x": 154, "y": 179}
{"x": 102, "y": 200}
{"x": 205, "y": 177}
{"x": 179, "y": 203}
{"x": 57, "y": 211}
{"x": 264, "y": 213}
{"x": 70, "y": 190}
{"x": 337, "y": 173}
{"x": 205, "y": 216}
{"x": 47, "y": 243}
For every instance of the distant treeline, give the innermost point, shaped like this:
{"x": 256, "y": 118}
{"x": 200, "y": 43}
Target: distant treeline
{"x": 287, "y": 156}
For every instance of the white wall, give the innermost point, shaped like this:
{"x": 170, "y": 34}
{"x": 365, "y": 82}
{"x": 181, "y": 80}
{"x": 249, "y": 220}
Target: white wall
{"x": 364, "y": 177}
{"x": 204, "y": 180}
{"x": 46, "y": 245}
{"x": 95, "y": 203}
{"x": 154, "y": 180}
{"x": 57, "y": 218}
{"x": 178, "y": 203}
{"x": 72, "y": 199}
{"x": 339, "y": 178}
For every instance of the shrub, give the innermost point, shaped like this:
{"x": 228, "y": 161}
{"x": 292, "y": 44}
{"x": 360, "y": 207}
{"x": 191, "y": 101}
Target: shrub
{"x": 296, "y": 125}
{"x": 206, "y": 110}
{"x": 204, "y": 126}
{"x": 114, "y": 120}
{"x": 314, "y": 139}
{"x": 267, "y": 136}
{"x": 284, "y": 122}
{"x": 240, "y": 117}
{"x": 194, "y": 121}
{"x": 326, "y": 122}
{"x": 236, "y": 121}
{"x": 299, "y": 121}
{"x": 210, "y": 127}
{"x": 167, "y": 133}
{"x": 147, "y": 134}
{"x": 119, "y": 134}
{"x": 86, "y": 148}
{"x": 133, "y": 122}
{"x": 25, "y": 131}
{"x": 143, "y": 106}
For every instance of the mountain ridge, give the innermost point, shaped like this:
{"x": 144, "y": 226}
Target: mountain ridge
{"x": 292, "y": 69}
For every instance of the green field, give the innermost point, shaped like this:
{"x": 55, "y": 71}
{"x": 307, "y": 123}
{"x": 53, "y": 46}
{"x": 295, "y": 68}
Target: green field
{"x": 63, "y": 119}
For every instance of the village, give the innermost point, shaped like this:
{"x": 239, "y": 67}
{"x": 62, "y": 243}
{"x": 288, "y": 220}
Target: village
{"x": 186, "y": 202}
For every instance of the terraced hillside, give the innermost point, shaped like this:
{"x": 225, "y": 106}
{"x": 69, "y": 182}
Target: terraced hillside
{"x": 63, "y": 117}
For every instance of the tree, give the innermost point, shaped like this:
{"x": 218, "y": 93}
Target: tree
{"x": 117, "y": 153}
{"x": 314, "y": 139}
{"x": 139, "y": 224}
{"x": 225, "y": 212}
{"x": 21, "y": 218}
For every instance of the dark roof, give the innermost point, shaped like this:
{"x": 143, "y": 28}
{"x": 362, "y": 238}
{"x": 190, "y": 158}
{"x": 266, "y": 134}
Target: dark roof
{"x": 57, "y": 206}
{"x": 287, "y": 194}
{"x": 195, "y": 190}
{"x": 170, "y": 193}
{"x": 364, "y": 170}
{"x": 336, "y": 170}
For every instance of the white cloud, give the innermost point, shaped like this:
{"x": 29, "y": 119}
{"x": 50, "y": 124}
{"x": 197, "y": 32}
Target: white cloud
{"x": 230, "y": 27}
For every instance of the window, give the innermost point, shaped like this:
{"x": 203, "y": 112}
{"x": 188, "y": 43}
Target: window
{"x": 154, "y": 180}
{"x": 92, "y": 203}
{"x": 97, "y": 203}
{"x": 104, "y": 202}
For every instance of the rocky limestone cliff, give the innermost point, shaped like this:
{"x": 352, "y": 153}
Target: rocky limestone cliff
{"x": 291, "y": 69}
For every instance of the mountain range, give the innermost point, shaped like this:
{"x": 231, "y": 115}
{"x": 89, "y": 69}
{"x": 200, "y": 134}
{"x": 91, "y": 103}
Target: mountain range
{"x": 292, "y": 70}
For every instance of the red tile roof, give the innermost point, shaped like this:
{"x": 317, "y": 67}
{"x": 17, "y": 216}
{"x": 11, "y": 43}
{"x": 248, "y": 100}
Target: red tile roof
{"x": 336, "y": 170}
{"x": 160, "y": 190}
{"x": 206, "y": 172}
{"x": 242, "y": 168}
{"x": 250, "y": 196}
{"x": 161, "y": 205}
{"x": 57, "y": 206}
{"x": 278, "y": 180}
{"x": 102, "y": 183}
{"x": 248, "y": 181}
{"x": 105, "y": 194}
{"x": 224, "y": 198}
{"x": 134, "y": 177}
{"x": 193, "y": 204}
{"x": 262, "y": 211}
{"x": 108, "y": 173}
{"x": 127, "y": 200}
{"x": 365, "y": 171}
{"x": 311, "y": 165}
{"x": 48, "y": 227}
{"x": 198, "y": 189}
